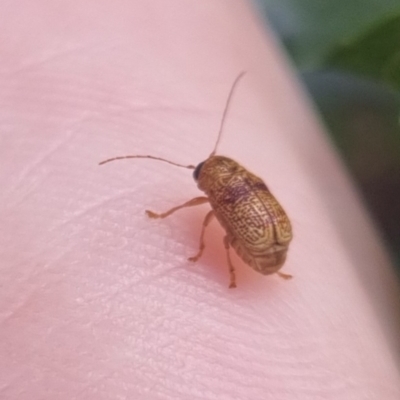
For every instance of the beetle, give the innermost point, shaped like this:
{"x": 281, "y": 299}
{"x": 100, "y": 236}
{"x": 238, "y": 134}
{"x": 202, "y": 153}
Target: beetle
{"x": 255, "y": 223}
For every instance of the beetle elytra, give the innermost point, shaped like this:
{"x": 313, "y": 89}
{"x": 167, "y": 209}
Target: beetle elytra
{"x": 256, "y": 225}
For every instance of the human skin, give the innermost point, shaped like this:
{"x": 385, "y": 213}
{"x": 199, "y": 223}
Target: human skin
{"x": 97, "y": 301}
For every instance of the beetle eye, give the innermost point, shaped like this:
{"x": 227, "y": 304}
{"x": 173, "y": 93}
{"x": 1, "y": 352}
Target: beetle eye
{"x": 196, "y": 172}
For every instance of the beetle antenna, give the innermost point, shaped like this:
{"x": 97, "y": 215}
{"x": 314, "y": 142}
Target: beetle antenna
{"x": 227, "y": 104}
{"x": 151, "y": 157}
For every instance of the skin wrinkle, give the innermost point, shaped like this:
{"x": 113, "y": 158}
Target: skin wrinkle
{"x": 19, "y": 201}
{"x": 238, "y": 375}
{"x": 94, "y": 385}
{"x": 238, "y": 370}
{"x": 156, "y": 110}
{"x": 34, "y": 275}
{"x": 57, "y": 56}
{"x": 227, "y": 346}
{"x": 18, "y": 308}
{"x": 93, "y": 207}
{"x": 217, "y": 302}
{"x": 181, "y": 108}
{"x": 29, "y": 169}
{"x": 82, "y": 380}
{"x": 109, "y": 297}
{"x": 28, "y": 299}
{"x": 250, "y": 359}
{"x": 179, "y": 388}
{"x": 237, "y": 321}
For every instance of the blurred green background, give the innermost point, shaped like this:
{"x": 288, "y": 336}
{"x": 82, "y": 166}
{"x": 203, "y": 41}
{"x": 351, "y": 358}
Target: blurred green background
{"x": 347, "y": 53}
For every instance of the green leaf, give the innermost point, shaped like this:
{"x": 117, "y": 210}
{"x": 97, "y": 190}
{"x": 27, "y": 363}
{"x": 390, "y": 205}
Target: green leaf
{"x": 374, "y": 54}
{"x": 311, "y": 29}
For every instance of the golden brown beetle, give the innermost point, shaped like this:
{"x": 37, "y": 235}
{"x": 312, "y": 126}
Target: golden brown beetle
{"x": 256, "y": 225}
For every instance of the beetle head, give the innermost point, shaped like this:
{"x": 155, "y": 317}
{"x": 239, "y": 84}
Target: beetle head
{"x": 214, "y": 169}
{"x": 197, "y": 170}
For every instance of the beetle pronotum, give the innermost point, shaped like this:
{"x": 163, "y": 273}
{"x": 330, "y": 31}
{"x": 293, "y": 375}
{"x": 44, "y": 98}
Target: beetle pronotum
{"x": 256, "y": 225}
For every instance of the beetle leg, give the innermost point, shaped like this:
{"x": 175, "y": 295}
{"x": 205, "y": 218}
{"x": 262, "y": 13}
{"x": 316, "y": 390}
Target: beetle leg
{"x": 194, "y": 202}
{"x": 232, "y": 283}
{"x": 206, "y": 221}
{"x": 284, "y": 276}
